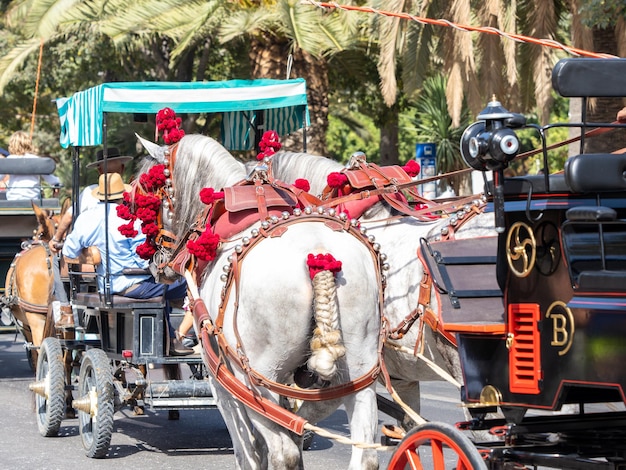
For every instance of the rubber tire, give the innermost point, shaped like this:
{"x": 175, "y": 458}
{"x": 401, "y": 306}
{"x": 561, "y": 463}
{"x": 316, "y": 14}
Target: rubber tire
{"x": 50, "y": 411}
{"x": 433, "y": 438}
{"x": 96, "y": 431}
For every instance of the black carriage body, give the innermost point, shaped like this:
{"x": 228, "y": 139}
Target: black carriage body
{"x": 565, "y": 321}
{"x": 125, "y": 330}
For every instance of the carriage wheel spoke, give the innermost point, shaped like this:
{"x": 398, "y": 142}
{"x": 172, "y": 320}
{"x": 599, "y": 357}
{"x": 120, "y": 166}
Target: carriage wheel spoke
{"x": 413, "y": 459}
{"x": 439, "y": 462}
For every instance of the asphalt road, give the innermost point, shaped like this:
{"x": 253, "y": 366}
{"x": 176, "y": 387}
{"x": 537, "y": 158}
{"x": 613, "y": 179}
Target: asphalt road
{"x": 198, "y": 440}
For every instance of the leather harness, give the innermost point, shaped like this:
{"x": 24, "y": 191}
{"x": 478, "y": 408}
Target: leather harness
{"x": 222, "y": 356}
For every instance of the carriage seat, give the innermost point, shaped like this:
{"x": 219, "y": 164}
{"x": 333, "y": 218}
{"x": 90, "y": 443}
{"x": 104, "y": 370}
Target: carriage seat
{"x": 91, "y": 256}
{"x": 464, "y": 273}
{"x": 593, "y": 241}
{"x": 596, "y": 172}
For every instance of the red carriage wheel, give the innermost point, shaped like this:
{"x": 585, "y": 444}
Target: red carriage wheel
{"x": 436, "y": 446}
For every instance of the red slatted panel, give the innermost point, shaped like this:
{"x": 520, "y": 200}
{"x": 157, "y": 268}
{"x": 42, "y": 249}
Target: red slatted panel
{"x": 524, "y": 353}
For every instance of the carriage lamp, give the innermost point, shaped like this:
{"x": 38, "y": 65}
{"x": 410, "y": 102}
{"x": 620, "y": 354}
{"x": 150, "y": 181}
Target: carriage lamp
{"x": 489, "y": 145}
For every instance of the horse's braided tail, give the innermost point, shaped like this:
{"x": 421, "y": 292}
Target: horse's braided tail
{"x": 326, "y": 345}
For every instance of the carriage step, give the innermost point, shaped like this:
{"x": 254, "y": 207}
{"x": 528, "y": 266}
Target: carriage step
{"x": 181, "y": 403}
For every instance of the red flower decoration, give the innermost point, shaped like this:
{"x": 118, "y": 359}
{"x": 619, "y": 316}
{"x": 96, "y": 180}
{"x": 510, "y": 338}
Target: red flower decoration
{"x": 412, "y": 168}
{"x": 209, "y": 195}
{"x": 205, "y": 247}
{"x": 320, "y": 262}
{"x": 146, "y": 250}
{"x": 269, "y": 145}
{"x": 336, "y": 180}
{"x": 169, "y": 124}
{"x": 128, "y": 230}
{"x": 155, "y": 178}
{"x": 302, "y": 184}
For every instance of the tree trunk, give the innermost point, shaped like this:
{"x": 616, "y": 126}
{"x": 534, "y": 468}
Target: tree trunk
{"x": 605, "y": 109}
{"x": 269, "y": 60}
{"x": 389, "y": 136}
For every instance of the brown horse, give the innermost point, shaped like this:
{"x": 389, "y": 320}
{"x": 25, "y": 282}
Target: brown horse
{"x": 29, "y": 282}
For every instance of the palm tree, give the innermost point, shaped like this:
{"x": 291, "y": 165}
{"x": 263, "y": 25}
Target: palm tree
{"x": 279, "y": 32}
{"x": 290, "y": 39}
{"x": 477, "y": 66}
{"x": 434, "y": 124}
{"x": 602, "y": 28}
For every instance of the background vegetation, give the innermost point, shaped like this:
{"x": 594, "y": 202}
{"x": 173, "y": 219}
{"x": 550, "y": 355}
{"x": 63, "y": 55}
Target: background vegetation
{"x": 375, "y": 84}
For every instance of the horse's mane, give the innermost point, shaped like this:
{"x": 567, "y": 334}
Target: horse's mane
{"x": 289, "y": 166}
{"x": 201, "y": 162}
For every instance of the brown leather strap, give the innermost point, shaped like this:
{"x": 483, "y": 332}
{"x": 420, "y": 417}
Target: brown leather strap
{"x": 237, "y": 354}
{"x": 239, "y": 390}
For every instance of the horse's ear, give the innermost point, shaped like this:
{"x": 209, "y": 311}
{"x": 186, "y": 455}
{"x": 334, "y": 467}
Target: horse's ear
{"x": 39, "y": 212}
{"x": 156, "y": 151}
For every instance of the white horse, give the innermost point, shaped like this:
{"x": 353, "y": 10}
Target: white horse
{"x": 400, "y": 236}
{"x": 273, "y": 313}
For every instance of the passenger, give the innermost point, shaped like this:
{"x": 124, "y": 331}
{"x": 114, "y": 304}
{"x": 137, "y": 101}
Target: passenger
{"x": 89, "y": 230}
{"x": 621, "y": 115}
{"x": 116, "y": 163}
{"x": 25, "y": 186}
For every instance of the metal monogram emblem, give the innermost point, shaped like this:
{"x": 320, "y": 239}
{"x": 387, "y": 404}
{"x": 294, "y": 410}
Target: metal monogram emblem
{"x": 562, "y": 326}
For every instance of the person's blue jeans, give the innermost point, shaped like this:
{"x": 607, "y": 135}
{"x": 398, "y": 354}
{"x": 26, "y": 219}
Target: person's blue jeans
{"x": 149, "y": 289}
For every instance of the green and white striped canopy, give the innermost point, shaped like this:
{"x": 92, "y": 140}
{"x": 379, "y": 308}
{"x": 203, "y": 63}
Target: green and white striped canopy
{"x": 283, "y": 103}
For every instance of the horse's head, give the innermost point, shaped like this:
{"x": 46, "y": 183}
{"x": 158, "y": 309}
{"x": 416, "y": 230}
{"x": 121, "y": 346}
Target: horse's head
{"x": 182, "y": 170}
{"x": 47, "y": 222}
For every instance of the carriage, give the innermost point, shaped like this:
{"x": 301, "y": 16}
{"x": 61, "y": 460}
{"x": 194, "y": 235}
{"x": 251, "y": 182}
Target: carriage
{"x": 18, "y": 220}
{"x": 542, "y": 330}
{"x": 116, "y": 353}
{"x": 557, "y": 342}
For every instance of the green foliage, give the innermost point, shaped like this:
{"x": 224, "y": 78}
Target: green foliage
{"x": 530, "y": 139}
{"x": 434, "y": 124}
{"x": 602, "y": 13}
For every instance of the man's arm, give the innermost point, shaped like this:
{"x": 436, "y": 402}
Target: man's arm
{"x": 57, "y": 239}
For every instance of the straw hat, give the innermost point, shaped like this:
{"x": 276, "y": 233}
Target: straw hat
{"x": 115, "y": 184}
{"x": 113, "y": 155}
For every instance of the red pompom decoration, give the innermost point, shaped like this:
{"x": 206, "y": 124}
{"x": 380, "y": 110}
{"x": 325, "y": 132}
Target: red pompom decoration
{"x": 269, "y": 145}
{"x": 302, "y": 184}
{"x": 336, "y": 180}
{"x": 128, "y": 230}
{"x": 169, "y": 124}
{"x": 205, "y": 247}
{"x": 412, "y": 168}
{"x": 320, "y": 262}
{"x": 146, "y": 250}
{"x": 123, "y": 212}
{"x": 154, "y": 178}
{"x": 270, "y": 140}
{"x": 209, "y": 195}
{"x": 150, "y": 230}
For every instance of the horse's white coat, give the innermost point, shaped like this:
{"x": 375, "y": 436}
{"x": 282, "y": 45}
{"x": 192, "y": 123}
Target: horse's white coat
{"x": 400, "y": 239}
{"x": 275, "y": 314}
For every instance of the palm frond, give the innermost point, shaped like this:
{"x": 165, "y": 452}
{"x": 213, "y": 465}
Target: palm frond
{"x": 11, "y": 62}
{"x": 39, "y": 18}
